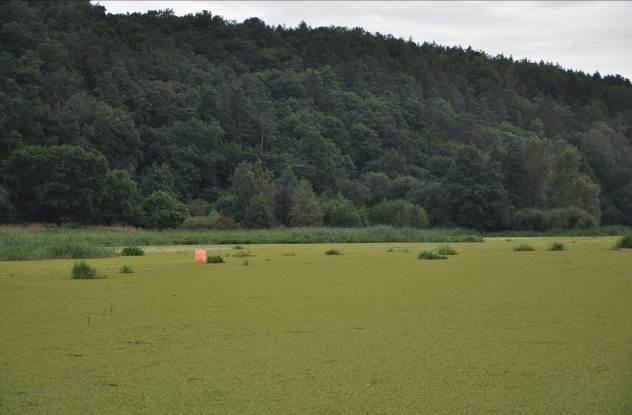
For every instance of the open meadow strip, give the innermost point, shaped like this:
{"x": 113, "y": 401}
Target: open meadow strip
{"x": 374, "y": 330}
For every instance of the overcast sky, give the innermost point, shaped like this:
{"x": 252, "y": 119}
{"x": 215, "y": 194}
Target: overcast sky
{"x": 591, "y": 36}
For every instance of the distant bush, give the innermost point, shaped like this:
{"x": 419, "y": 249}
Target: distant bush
{"x": 523, "y": 247}
{"x": 530, "y": 219}
{"x": 162, "y": 210}
{"x": 333, "y": 251}
{"x": 199, "y": 207}
{"x": 198, "y": 223}
{"x": 446, "y": 250}
{"x": 258, "y": 213}
{"x": 214, "y": 220}
{"x": 625, "y": 242}
{"x": 214, "y": 259}
{"x": 430, "y": 255}
{"x": 570, "y": 218}
{"x": 561, "y": 218}
{"x": 238, "y": 247}
{"x": 132, "y": 251}
{"x": 83, "y": 271}
{"x": 340, "y": 212}
{"x": 245, "y": 262}
{"x": 126, "y": 269}
{"x": 398, "y": 213}
{"x": 556, "y": 246}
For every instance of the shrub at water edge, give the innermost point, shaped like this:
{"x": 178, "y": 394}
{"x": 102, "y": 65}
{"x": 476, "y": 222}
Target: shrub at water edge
{"x": 132, "y": 251}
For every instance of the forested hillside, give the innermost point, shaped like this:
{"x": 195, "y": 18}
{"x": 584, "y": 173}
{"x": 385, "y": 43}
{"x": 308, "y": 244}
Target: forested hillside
{"x": 146, "y": 119}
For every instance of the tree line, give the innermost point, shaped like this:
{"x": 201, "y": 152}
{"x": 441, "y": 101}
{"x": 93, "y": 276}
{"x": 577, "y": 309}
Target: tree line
{"x": 158, "y": 120}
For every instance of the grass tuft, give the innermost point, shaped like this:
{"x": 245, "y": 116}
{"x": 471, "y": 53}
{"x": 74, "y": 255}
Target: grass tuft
{"x": 126, "y": 269}
{"x": 83, "y": 271}
{"x": 214, "y": 259}
{"x": 430, "y": 255}
{"x": 556, "y": 246}
{"x": 523, "y": 248}
{"x": 132, "y": 251}
{"x": 447, "y": 250}
{"x": 333, "y": 251}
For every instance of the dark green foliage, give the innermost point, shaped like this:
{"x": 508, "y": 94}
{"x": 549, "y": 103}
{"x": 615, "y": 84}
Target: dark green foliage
{"x": 475, "y": 195}
{"x": 333, "y": 251}
{"x": 556, "y": 246}
{"x": 214, "y": 259}
{"x": 126, "y": 269}
{"x": 132, "y": 251}
{"x": 523, "y": 248}
{"x": 398, "y": 213}
{"x": 83, "y": 271}
{"x": 56, "y": 183}
{"x": 430, "y": 255}
{"x": 562, "y": 218}
{"x": 446, "y": 250}
{"x": 122, "y": 202}
{"x": 214, "y": 220}
{"x": 340, "y": 212}
{"x": 625, "y": 242}
{"x": 101, "y": 113}
{"x": 305, "y": 210}
{"x": 7, "y": 210}
{"x": 162, "y": 210}
{"x": 258, "y": 213}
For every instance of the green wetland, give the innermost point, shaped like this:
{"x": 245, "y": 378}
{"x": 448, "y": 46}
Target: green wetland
{"x": 374, "y": 330}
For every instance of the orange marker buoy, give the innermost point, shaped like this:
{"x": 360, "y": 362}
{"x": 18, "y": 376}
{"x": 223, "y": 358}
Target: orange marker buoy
{"x": 200, "y": 255}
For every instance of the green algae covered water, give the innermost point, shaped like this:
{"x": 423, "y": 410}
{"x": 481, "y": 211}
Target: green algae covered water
{"x": 374, "y": 330}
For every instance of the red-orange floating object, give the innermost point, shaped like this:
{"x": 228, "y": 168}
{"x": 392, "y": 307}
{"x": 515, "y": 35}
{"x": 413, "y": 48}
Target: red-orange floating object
{"x": 200, "y": 255}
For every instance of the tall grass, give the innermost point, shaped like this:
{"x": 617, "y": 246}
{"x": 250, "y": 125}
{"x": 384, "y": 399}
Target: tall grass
{"x": 39, "y": 242}
{"x": 50, "y": 245}
{"x": 83, "y": 271}
{"x": 447, "y": 250}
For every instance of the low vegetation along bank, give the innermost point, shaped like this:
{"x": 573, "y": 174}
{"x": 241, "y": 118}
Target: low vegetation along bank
{"x": 41, "y": 242}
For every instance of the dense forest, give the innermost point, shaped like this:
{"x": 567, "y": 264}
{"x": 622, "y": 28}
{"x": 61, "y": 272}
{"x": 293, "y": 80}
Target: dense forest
{"x": 155, "y": 120}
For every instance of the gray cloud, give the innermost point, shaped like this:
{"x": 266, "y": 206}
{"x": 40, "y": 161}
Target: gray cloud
{"x": 589, "y": 36}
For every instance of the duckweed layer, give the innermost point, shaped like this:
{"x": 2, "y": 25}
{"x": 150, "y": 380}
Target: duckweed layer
{"x": 486, "y": 331}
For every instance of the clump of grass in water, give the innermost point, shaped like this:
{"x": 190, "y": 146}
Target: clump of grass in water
{"x": 288, "y": 254}
{"x": 238, "y": 247}
{"x": 83, "y": 271}
{"x": 243, "y": 254}
{"x": 214, "y": 259}
{"x": 447, "y": 250}
{"x": 333, "y": 251}
{"x": 557, "y": 246}
{"x": 430, "y": 255}
{"x": 132, "y": 251}
{"x": 245, "y": 262}
{"x": 625, "y": 242}
{"x": 523, "y": 248}
{"x": 126, "y": 269}
{"x": 402, "y": 250}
